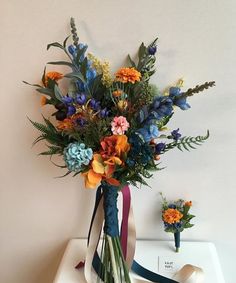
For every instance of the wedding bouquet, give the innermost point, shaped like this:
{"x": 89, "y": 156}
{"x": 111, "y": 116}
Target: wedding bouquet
{"x": 110, "y": 129}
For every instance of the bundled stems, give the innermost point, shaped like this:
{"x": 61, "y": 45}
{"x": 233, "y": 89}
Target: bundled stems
{"x": 113, "y": 267}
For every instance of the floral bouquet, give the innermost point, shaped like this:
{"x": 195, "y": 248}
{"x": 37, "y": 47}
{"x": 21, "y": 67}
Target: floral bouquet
{"x": 110, "y": 129}
{"x": 176, "y": 217}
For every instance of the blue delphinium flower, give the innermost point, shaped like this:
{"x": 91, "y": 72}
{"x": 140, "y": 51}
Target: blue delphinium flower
{"x": 152, "y": 50}
{"x": 162, "y": 106}
{"x": 81, "y": 98}
{"x": 178, "y": 99}
{"x": 176, "y": 135}
{"x": 148, "y": 132}
{"x": 76, "y": 155}
{"x": 72, "y": 49}
{"x": 159, "y": 147}
{"x": 90, "y": 74}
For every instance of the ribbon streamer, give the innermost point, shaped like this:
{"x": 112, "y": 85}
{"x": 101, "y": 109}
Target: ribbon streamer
{"x": 187, "y": 274}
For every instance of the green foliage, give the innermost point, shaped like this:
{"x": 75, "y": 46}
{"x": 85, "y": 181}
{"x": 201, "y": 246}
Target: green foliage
{"x": 164, "y": 121}
{"x": 50, "y": 134}
{"x": 95, "y": 131}
{"x": 198, "y": 88}
{"x": 187, "y": 143}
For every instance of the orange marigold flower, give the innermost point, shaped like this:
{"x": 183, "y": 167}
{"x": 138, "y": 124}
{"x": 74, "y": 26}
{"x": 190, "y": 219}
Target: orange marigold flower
{"x": 66, "y": 124}
{"x": 188, "y": 203}
{"x": 117, "y": 93}
{"x": 172, "y": 215}
{"x": 55, "y": 76}
{"x": 128, "y": 75}
{"x": 43, "y": 100}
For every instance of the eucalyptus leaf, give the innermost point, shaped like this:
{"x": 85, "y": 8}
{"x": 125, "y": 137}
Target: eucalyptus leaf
{"x": 65, "y": 41}
{"x": 65, "y": 63}
{"x": 55, "y": 44}
{"x": 58, "y": 93}
{"x": 76, "y": 75}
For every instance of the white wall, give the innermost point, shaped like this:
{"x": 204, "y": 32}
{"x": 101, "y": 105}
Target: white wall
{"x": 197, "y": 40}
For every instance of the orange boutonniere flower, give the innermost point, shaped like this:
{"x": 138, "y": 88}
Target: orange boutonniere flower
{"x": 188, "y": 203}
{"x": 172, "y": 215}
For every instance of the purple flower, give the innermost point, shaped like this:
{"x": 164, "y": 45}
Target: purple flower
{"x": 95, "y": 105}
{"x": 104, "y": 113}
{"x": 81, "y": 98}
{"x": 152, "y": 50}
{"x": 71, "y": 110}
{"x": 67, "y": 99}
{"x": 175, "y": 134}
{"x": 159, "y": 147}
{"x": 81, "y": 121}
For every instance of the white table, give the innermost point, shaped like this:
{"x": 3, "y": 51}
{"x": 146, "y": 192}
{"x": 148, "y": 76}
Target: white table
{"x": 152, "y": 255}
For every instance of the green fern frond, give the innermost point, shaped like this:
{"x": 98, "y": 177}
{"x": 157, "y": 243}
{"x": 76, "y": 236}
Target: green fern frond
{"x": 52, "y": 150}
{"x": 41, "y": 127}
{"x": 188, "y": 143}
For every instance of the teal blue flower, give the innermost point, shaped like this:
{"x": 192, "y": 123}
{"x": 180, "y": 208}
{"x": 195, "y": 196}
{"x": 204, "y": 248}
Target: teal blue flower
{"x": 76, "y": 155}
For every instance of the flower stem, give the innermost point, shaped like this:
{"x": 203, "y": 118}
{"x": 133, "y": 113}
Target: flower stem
{"x": 113, "y": 260}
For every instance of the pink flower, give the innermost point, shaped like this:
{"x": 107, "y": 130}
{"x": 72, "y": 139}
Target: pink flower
{"x": 119, "y": 125}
